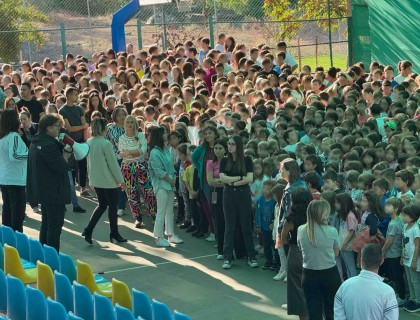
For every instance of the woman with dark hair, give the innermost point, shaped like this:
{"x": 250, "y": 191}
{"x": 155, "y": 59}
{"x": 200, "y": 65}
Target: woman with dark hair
{"x": 296, "y": 304}
{"x": 16, "y": 79}
{"x": 94, "y": 104}
{"x": 199, "y": 157}
{"x": 94, "y": 85}
{"x": 162, "y": 174}
{"x": 216, "y": 205}
{"x": 105, "y": 176}
{"x": 10, "y": 104}
{"x": 13, "y": 169}
{"x": 114, "y": 131}
{"x": 230, "y": 44}
{"x": 15, "y": 91}
{"x": 347, "y": 231}
{"x": 236, "y": 174}
{"x": 110, "y": 54}
{"x": 27, "y": 128}
{"x": 188, "y": 70}
{"x": 290, "y": 171}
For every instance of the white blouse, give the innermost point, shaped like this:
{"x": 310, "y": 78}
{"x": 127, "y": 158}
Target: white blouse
{"x": 137, "y": 142}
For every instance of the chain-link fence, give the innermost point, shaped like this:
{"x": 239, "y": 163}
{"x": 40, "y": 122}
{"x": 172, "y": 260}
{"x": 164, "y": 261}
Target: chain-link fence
{"x": 83, "y": 27}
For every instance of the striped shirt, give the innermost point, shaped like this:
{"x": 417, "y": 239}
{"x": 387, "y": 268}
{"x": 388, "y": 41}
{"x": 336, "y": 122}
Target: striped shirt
{"x": 365, "y": 297}
{"x": 13, "y": 160}
{"x": 113, "y": 134}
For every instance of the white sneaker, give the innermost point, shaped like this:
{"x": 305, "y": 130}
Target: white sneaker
{"x": 220, "y": 257}
{"x": 175, "y": 239}
{"x": 253, "y": 263}
{"x": 211, "y": 238}
{"x": 280, "y": 276}
{"x": 162, "y": 242}
{"x": 35, "y": 209}
{"x": 277, "y": 277}
{"x": 227, "y": 264}
{"x": 285, "y": 280}
{"x": 120, "y": 212}
{"x": 284, "y": 306}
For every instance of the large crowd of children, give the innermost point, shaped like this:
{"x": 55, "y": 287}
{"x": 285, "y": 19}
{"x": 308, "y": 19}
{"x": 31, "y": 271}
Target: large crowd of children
{"x": 347, "y": 139}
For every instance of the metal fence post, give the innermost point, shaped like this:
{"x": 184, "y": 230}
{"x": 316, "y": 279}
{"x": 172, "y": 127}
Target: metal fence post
{"x": 329, "y": 30}
{"x": 139, "y": 34}
{"x": 164, "y": 39}
{"x": 211, "y": 31}
{"x": 350, "y": 38}
{"x": 63, "y": 40}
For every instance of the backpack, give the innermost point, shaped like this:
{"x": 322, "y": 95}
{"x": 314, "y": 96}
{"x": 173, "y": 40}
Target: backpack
{"x": 363, "y": 238}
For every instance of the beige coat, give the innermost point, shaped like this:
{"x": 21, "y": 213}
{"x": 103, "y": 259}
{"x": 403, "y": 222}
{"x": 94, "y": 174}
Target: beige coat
{"x": 103, "y": 168}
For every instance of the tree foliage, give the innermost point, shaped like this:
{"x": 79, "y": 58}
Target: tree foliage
{"x": 14, "y": 18}
{"x": 246, "y": 8}
{"x": 291, "y": 10}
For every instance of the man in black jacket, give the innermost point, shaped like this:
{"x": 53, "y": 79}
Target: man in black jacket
{"x": 47, "y": 181}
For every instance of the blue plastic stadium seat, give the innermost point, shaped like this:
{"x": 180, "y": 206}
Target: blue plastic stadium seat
{"x": 22, "y": 245}
{"x": 3, "y": 291}
{"x": 141, "y": 305}
{"x": 67, "y": 266}
{"x": 36, "y": 305}
{"x": 123, "y": 313}
{"x": 16, "y": 298}
{"x": 103, "y": 308}
{"x": 8, "y": 235}
{"x": 73, "y": 317}
{"x": 161, "y": 311}
{"x": 83, "y": 301}
{"x": 63, "y": 291}
{"x": 36, "y": 251}
{"x": 51, "y": 258}
{"x": 55, "y": 310}
{"x": 180, "y": 316}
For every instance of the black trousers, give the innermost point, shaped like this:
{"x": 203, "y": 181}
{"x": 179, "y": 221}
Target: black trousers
{"x": 396, "y": 275}
{"x": 52, "y": 224}
{"x": 14, "y": 202}
{"x": 320, "y": 287}
{"x": 107, "y": 198}
{"x": 218, "y": 217}
{"x": 237, "y": 212}
{"x": 81, "y": 166}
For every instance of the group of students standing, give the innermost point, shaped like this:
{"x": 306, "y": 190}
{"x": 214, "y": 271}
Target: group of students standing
{"x": 311, "y": 166}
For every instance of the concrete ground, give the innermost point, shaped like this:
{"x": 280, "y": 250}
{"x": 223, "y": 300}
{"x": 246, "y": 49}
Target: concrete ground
{"x": 187, "y": 277}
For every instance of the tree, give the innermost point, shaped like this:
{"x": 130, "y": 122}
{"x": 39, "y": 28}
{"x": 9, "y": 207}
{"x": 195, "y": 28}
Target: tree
{"x": 14, "y": 18}
{"x": 286, "y": 10}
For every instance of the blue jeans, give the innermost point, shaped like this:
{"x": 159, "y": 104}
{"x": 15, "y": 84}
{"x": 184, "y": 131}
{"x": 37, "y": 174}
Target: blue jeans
{"x": 122, "y": 197}
{"x": 267, "y": 239}
{"x": 74, "y": 200}
{"x": 350, "y": 263}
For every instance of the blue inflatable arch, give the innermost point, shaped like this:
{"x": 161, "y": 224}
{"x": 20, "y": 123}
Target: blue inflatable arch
{"x": 119, "y": 19}
{"x": 125, "y": 14}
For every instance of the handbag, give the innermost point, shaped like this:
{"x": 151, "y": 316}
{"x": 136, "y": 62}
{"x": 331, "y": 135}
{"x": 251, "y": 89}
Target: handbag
{"x": 363, "y": 238}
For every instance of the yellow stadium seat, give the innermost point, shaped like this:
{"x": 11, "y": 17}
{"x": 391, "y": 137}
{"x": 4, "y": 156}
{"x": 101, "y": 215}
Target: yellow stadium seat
{"x": 13, "y": 266}
{"x": 45, "y": 280}
{"x": 121, "y": 294}
{"x": 85, "y": 277}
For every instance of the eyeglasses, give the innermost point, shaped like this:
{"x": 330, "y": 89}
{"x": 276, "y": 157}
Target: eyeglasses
{"x": 56, "y": 125}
